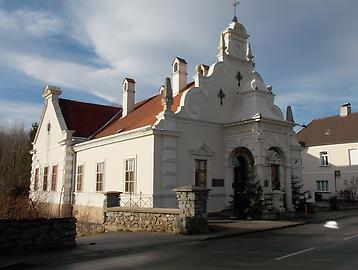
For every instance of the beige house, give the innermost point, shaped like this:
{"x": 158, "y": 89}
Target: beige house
{"x": 330, "y": 155}
{"x": 213, "y": 132}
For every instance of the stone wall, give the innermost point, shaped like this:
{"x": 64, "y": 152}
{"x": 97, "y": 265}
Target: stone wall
{"x": 190, "y": 218}
{"x": 141, "y": 219}
{"x": 17, "y": 235}
{"x": 89, "y": 228}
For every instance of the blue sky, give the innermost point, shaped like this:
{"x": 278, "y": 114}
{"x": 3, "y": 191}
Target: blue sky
{"x": 306, "y": 49}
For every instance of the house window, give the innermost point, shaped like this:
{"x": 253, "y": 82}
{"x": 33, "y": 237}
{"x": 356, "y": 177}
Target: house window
{"x": 54, "y": 178}
{"x": 79, "y": 181}
{"x": 324, "y": 158}
{"x": 37, "y": 177}
{"x": 45, "y": 178}
{"x": 200, "y": 172}
{"x": 322, "y": 186}
{"x": 129, "y": 175}
{"x": 99, "y": 176}
{"x": 353, "y": 156}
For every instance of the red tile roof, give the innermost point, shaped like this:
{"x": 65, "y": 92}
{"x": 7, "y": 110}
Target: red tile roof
{"x": 330, "y": 130}
{"x": 86, "y": 118}
{"x": 143, "y": 115}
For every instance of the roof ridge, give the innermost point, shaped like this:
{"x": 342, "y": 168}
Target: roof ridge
{"x": 332, "y": 116}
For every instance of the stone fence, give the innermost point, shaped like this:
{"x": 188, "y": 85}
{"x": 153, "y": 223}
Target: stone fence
{"x": 141, "y": 219}
{"x": 191, "y": 217}
{"x": 18, "y": 235}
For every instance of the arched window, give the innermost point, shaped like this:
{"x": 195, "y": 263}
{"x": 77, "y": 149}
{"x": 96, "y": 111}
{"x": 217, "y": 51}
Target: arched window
{"x": 175, "y": 68}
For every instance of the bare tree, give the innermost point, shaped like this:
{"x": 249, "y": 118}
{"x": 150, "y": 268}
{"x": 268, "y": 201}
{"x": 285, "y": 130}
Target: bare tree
{"x": 15, "y": 169}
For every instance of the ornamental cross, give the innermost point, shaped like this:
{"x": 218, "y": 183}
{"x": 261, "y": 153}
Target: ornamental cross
{"x": 235, "y": 4}
{"x": 239, "y": 78}
{"x": 221, "y": 95}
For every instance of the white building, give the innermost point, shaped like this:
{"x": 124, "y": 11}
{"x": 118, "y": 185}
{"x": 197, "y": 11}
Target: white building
{"x": 211, "y": 132}
{"x": 330, "y": 156}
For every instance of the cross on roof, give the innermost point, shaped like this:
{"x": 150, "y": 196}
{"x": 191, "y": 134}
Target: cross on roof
{"x": 235, "y": 4}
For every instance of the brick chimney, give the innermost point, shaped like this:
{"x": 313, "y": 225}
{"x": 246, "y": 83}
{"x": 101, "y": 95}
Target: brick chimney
{"x": 128, "y": 96}
{"x": 345, "y": 109}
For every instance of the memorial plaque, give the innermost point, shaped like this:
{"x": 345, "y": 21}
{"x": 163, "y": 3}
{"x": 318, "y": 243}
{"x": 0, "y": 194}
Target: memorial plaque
{"x": 217, "y": 182}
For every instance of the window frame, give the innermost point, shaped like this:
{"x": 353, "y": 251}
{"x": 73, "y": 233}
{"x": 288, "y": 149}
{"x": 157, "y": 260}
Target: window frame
{"x": 82, "y": 177}
{"x": 350, "y": 156}
{"x": 324, "y": 158}
{"x": 132, "y": 183}
{"x": 199, "y": 171}
{"x": 322, "y": 186}
{"x": 36, "y": 178}
{"x": 45, "y": 179}
{"x": 54, "y": 177}
{"x": 100, "y": 173}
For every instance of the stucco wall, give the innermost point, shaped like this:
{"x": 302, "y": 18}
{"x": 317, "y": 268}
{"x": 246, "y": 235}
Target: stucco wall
{"x": 114, "y": 154}
{"x": 49, "y": 152}
{"x": 175, "y": 161}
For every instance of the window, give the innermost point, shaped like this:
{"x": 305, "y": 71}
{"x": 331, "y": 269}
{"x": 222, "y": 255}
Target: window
{"x": 129, "y": 175}
{"x": 45, "y": 178}
{"x": 99, "y": 176}
{"x": 79, "y": 182}
{"x": 324, "y": 158}
{"x": 200, "y": 173}
{"x": 322, "y": 186}
{"x": 54, "y": 178}
{"x": 353, "y": 156}
{"x": 175, "y": 68}
{"x": 37, "y": 177}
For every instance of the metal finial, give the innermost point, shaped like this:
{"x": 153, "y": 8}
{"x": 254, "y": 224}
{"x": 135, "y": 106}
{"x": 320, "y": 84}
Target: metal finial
{"x": 235, "y": 4}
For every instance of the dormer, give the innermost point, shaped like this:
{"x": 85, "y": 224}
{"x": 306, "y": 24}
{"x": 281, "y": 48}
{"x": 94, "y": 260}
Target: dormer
{"x": 128, "y": 96}
{"x": 179, "y": 75}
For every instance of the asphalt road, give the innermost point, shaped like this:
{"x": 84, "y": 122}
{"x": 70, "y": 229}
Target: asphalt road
{"x": 311, "y": 246}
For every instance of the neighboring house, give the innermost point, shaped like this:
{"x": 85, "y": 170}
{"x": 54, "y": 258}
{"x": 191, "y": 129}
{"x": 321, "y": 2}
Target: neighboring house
{"x": 217, "y": 132}
{"x": 330, "y": 156}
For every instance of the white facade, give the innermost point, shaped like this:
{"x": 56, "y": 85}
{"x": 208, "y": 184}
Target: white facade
{"x": 52, "y": 148}
{"x": 328, "y": 169}
{"x": 225, "y": 125}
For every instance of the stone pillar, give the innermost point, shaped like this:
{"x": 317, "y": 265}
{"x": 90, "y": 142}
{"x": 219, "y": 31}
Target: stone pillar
{"x": 113, "y": 199}
{"x": 192, "y": 203}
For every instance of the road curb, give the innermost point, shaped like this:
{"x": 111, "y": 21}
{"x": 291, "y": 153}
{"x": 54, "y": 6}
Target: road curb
{"x": 232, "y": 233}
{"x": 318, "y": 220}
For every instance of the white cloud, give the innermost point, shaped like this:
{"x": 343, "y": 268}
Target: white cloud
{"x": 103, "y": 82}
{"x": 30, "y": 23}
{"x": 18, "y": 113}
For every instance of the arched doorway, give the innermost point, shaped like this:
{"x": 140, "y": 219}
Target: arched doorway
{"x": 242, "y": 161}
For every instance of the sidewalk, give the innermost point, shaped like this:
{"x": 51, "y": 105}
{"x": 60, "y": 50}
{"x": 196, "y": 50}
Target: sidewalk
{"x": 115, "y": 244}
